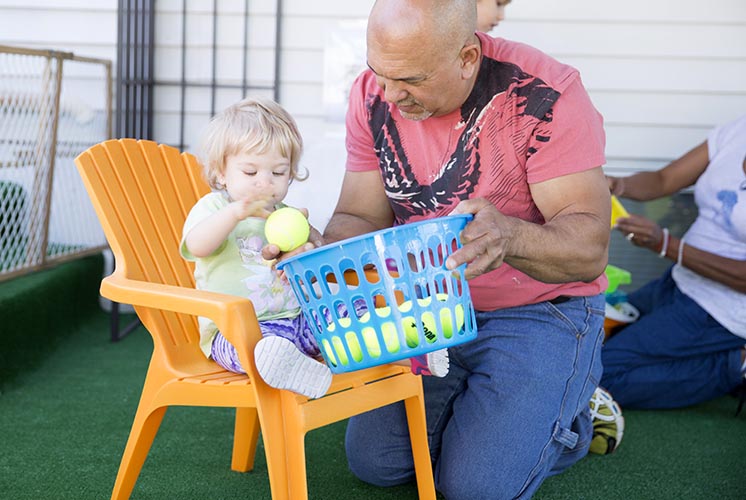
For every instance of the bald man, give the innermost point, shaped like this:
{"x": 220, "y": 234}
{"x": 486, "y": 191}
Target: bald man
{"x": 446, "y": 120}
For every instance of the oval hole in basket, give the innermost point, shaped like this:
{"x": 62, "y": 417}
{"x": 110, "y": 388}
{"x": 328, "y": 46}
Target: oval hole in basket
{"x": 436, "y": 251}
{"x": 422, "y": 289}
{"x": 455, "y": 245}
{"x": 372, "y": 276}
{"x": 339, "y": 311}
{"x": 314, "y": 286}
{"x": 368, "y": 263}
{"x": 328, "y": 286}
{"x": 360, "y": 308}
{"x": 393, "y": 266}
{"x": 330, "y": 282}
{"x": 300, "y": 287}
{"x": 349, "y": 271}
{"x": 416, "y": 261}
{"x": 324, "y": 318}
{"x": 379, "y": 301}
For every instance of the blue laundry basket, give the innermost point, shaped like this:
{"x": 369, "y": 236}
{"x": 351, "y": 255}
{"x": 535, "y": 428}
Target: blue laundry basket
{"x": 386, "y": 295}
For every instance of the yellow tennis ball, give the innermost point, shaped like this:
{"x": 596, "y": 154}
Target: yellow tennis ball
{"x": 389, "y": 332}
{"x": 329, "y": 352}
{"x": 350, "y": 339}
{"x": 428, "y": 321}
{"x": 287, "y": 228}
{"x": 390, "y": 339}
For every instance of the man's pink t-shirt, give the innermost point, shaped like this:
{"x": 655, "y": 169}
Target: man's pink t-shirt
{"x": 527, "y": 120}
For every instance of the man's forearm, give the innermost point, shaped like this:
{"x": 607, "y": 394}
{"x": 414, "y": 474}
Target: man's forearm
{"x": 343, "y": 225}
{"x": 571, "y": 248}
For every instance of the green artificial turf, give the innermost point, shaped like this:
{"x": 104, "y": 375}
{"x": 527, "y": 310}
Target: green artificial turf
{"x": 64, "y": 425}
{"x": 64, "y": 421}
{"x": 40, "y": 309}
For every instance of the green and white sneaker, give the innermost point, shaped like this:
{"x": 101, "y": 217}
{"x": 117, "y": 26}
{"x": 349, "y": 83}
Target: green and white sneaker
{"x": 608, "y": 423}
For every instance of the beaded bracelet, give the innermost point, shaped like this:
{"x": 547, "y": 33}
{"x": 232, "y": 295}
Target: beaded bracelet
{"x": 666, "y": 238}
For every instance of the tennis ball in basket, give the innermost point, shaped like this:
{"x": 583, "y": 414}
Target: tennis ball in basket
{"x": 389, "y": 332}
{"x": 390, "y": 338}
{"x": 428, "y": 321}
{"x": 287, "y": 228}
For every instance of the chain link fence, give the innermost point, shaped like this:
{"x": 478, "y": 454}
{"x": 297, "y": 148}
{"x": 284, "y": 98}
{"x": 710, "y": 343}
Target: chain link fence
{"x": 53, "y": 105}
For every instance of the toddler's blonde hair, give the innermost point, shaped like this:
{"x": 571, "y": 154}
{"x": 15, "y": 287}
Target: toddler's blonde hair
{"x": 252, "y": 125}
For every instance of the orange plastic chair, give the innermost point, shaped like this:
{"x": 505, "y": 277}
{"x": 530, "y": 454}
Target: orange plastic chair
{"x": 142, "y": 193}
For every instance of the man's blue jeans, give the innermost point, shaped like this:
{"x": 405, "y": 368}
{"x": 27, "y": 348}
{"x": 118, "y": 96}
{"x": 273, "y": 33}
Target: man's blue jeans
{"x": 512, "y": 410}
{"x": 675, "y": 355}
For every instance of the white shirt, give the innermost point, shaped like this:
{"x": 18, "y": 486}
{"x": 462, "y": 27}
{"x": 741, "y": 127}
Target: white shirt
{"x": 720, "y": 228}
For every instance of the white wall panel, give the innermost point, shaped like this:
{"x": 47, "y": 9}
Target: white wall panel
{"x": 328, "y": 8}
{"x": 633, "y": 75}
{"x": 639, "y": 11}
{"x": 60, "y": 29}
{"x": 260, "y": 66}
{"x": 256, "y": 7}
{"x": 60, "y": 5}
{"x": 667, "y": 108}
{"x": 649, "y": 142}
{"x": 649, "y": 40}
{"x": 261, "y": 29}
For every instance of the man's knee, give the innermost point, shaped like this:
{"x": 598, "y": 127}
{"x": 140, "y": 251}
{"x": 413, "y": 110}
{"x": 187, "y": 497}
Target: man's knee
{"x": 461, "y": 487}
{"x": 376, "y": 472}
{"x": 374, "y": 460}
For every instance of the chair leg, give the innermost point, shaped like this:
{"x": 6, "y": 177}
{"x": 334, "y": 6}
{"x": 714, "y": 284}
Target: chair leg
{"x": 273, "y": 436}
{"x": 144, "y": 429}
{"x": 295, "y": 441}
{"x": 423, "y": 467}
{"x": 245, "y": 437}
{"x": 297, "y": 483}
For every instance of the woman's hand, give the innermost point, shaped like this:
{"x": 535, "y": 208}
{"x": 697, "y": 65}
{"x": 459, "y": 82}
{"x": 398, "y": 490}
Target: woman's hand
{"x": 616, "y": 185}
{"x": 641, "y": 231}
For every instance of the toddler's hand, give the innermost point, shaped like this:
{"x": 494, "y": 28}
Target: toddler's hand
{"x": 250, "y": 208}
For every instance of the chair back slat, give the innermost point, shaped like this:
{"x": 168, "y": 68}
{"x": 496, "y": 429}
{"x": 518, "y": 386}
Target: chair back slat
{"x": 142, "y": 193}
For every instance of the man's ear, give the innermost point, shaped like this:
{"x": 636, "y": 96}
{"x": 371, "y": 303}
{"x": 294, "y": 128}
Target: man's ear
{"x": 470, "y": 58}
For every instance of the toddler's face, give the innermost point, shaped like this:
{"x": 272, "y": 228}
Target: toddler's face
{"x": 490, "y": 13}
{"x": 257, "y": 175}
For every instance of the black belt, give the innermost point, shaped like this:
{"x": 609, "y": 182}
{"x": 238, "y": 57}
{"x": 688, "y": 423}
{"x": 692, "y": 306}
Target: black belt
{"x": 560, "y": 299}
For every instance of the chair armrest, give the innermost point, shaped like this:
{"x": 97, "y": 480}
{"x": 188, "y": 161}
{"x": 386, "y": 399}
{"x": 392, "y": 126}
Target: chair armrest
{"x": 234, "y": 316}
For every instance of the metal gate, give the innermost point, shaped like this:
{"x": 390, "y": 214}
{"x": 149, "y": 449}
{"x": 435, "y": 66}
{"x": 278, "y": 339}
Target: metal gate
{"x": 53, "y": 105}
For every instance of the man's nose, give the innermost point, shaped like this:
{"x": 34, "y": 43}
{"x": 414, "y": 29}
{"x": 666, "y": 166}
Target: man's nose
{"x": 393, "y": 91}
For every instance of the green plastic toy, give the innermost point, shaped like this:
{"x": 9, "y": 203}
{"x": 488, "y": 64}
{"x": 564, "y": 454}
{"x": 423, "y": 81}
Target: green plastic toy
{"x": 616, "y": 276}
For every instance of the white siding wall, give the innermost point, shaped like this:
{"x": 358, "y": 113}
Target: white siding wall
{"x": 87, "y": 28}
{"x": 662, "y": 73}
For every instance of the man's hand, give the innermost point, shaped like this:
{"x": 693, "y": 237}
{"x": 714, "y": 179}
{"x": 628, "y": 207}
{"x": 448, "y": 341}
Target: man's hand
{"x": 485, "y": 239}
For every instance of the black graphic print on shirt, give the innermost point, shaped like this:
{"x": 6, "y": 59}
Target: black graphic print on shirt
{"x": 525, "y": 110}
